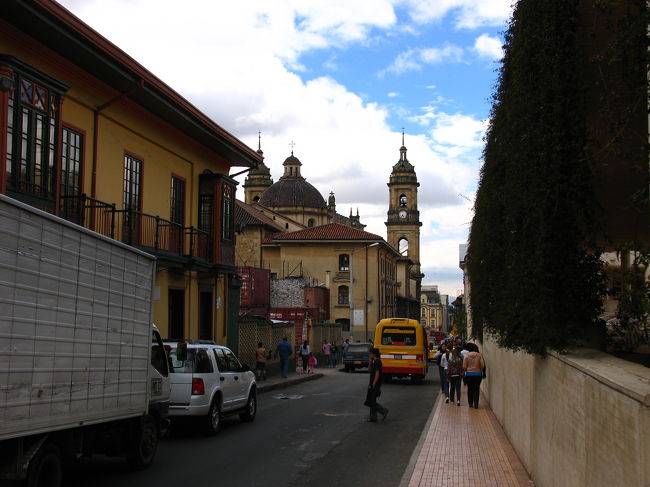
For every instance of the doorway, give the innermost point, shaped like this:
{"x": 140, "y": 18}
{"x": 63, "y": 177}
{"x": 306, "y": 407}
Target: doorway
{"x": 176, "y": 313}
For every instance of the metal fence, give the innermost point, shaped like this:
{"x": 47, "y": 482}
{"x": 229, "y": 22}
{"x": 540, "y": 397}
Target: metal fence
{"x": 259, "y": 330}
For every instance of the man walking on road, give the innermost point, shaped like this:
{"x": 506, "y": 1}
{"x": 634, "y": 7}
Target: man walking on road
{"x": 374, "y": 387}
{"x": 284, "y": 351}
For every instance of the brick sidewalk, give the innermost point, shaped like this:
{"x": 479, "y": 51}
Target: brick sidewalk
{"x": 447, "y": 460}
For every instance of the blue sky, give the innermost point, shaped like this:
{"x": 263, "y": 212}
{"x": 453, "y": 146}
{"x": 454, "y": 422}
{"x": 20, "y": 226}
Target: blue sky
{"x": 340, "y": 78}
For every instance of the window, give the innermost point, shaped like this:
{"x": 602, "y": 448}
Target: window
{"x": 71, "y": 170}
{"x": 311, "y": 222}
{"x": 402, "y": 201}
{"x": 132, "y": 198}
{"x": 403, "y": 246}
{"x": 344, "y": 295}
{"x": 32, "y": 120}
{"x": 256, "y": 199}
{"x": 221, "y": 360}
{"x": 158, "y": 356}
{"x": 424, "y": 312}
{"x": 132, "y": 182}
{"x": 344, "y": 262}
{"x": 233, "y": 364}
{"x": 227, "y": 222}
{"x": 399, "y": 335}
{"x": 177, "y": 211}
{"x": 203, "y": 364}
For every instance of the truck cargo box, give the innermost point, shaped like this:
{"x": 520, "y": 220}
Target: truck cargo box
{"x": 75, "y": 324}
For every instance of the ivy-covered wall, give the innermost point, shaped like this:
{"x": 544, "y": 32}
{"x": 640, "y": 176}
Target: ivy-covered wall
{"x": 533, "y": 258}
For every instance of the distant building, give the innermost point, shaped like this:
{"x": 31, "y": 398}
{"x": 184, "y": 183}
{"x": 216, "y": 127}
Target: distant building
{"x": 431, "y": 309}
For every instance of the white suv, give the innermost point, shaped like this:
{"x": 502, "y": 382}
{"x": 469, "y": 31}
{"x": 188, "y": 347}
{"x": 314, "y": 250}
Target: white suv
{"x": 208, "y": 381}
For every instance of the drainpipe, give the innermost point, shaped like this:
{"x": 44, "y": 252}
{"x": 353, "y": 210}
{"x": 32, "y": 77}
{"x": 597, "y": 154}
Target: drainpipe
{"x": 96, "y": 112}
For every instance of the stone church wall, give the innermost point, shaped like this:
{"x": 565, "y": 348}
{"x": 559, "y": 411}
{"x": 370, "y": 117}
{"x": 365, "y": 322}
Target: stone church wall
{"x": 288, "y": 292}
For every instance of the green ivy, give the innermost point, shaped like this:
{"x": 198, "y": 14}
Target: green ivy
{"x": 536, "y": 274}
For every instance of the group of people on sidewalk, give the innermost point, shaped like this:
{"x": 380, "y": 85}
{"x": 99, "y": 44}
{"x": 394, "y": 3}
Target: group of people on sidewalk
{"x": 459, "y": 363}
{"x": 329, "y": 351}
{"x": 284, "y": 350}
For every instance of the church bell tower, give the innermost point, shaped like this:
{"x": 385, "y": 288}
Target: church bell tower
{"x": 258, "y": 179}
{"x": 403, "y": 224}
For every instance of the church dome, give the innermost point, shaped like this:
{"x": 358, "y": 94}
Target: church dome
{"x": 292, "y": 192}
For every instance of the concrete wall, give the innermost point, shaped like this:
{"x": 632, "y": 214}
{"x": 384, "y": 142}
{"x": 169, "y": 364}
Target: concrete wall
{"x": 581, "y": 419}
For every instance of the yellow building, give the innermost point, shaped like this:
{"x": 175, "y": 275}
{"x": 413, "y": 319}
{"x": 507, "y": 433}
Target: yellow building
{"x": 358, "y": 268}
{"x": 431, "y": 308}
{"x": 92, "y": 136}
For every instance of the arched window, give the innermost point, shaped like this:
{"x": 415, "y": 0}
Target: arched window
{"x": 344, "y": 295}
{"x": 344, "y": 262}
{"x": 256, "y": 199}
{"x": 311, "y": 222}
{"x": 403, "y": 246}
{"x": 402, "y": 200}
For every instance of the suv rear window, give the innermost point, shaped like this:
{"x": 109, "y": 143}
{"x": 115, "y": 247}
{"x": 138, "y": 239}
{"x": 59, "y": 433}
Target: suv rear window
{"x": 398, "y": 335}
{"x": 358, "y": 348}
{"x": 197, "y": 362}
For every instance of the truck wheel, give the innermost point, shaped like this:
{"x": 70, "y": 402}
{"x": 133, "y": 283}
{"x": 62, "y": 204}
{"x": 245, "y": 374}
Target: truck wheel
{"x": 251, "y": 408}
{"x": 144, "y": 442}
{"x": 213, "y": 418}
{"x": 46, "y": 468}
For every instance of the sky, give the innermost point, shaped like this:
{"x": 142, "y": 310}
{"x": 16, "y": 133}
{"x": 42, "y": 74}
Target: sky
{"x": 340, "y": 79}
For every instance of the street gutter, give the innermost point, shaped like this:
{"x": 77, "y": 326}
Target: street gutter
{"x": 287, "y": 383}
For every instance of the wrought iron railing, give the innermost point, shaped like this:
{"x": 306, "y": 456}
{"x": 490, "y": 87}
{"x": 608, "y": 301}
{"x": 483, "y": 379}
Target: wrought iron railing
{"x": 136, "y": 228}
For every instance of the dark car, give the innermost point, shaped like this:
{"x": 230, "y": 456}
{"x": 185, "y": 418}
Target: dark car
{"x": 356, "y": 356}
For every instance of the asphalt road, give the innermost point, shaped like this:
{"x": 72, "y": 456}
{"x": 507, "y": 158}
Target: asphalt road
{"x": 311, "y": 434}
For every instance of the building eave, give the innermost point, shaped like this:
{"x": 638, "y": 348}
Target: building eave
{"x": 60, "y": 30}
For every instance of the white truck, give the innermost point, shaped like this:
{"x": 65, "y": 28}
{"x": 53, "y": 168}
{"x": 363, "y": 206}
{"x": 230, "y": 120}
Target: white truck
{"x": 82, "y": 369}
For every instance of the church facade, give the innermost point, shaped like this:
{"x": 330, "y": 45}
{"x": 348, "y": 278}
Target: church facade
{"x": 299, "y": 234}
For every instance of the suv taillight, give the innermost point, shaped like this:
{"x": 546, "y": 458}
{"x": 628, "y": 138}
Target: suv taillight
{"x": 198, "y": 388}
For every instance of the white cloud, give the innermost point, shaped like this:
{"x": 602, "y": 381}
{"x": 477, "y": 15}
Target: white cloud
{"x": 392, "y": 94}
{"x": 468, "y": 14}
{"x": 414, "y": 59}
{"x": 240, "y": 69}
{"x": 488, "y": 47}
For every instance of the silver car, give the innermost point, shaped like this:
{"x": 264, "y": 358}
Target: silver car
{"x": 208, "y": 382}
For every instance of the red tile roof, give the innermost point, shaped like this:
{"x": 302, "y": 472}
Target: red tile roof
{"x": 331, "y": 231}
{"x": 245, "y": 215}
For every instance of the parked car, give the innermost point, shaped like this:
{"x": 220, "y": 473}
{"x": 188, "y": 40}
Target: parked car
{"x": 208, "y": 382}
{"x": 356, "y": 356}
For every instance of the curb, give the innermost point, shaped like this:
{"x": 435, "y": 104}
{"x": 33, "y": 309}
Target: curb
{"x": 408, "y": 471}
{"x": 288, "y": 383}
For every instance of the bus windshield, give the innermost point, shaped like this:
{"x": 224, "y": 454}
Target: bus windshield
{"x": 398, "y": 335}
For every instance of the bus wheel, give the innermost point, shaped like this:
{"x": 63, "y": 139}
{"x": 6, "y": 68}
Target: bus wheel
{"x": 417, "y": 378}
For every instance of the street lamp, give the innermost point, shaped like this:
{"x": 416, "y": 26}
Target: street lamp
{"x": 350, "y": 297}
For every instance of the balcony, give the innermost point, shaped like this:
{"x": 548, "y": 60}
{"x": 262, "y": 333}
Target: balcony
{"x": 169, "y": 241}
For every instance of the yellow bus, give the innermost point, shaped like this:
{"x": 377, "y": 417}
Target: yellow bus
{"x": 403, "y": 345}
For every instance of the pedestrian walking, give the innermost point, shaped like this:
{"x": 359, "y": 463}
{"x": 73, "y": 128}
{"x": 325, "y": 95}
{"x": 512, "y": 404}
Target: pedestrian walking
{"x": 304, "y": 354}
{"x": 473, "y": 364}
{"x": 260, "y": 361}
{"x": 345, "y": 346}
{"x": 283, "y": 350}
{"x": 311, "y": 363}
{"x": 455, "y": 375}
{"x": 374, "y": 387}
{"x": 334, "y": 353}
{"x": 437, "y": 358}
{"x": 444, "y": 364}
{"x": 327, "y": 351}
